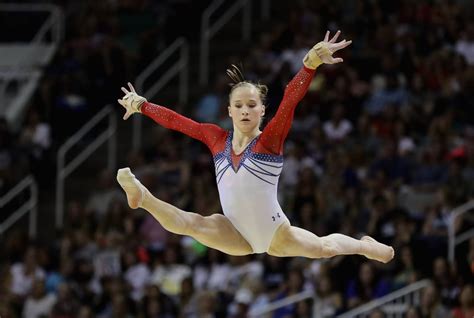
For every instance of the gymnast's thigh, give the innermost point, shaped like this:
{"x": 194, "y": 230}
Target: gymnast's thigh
{"x": 216, "y": 231}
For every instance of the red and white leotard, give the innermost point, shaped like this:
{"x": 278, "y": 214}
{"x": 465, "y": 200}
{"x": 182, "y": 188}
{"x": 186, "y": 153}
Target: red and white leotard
{"x": 248, "y": 182}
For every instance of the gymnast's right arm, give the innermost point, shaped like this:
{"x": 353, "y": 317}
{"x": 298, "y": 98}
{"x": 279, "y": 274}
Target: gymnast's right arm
{"x": 134, "y": 103}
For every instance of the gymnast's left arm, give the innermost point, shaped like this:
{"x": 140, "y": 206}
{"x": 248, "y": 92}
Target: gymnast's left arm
{"x": 274, "y": 134}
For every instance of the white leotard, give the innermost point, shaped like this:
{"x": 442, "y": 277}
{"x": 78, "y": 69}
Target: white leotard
{"x": 248, "y": 191}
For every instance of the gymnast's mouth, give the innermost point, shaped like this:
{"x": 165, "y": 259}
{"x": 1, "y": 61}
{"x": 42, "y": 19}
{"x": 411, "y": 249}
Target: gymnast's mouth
{"x": 245, "y": 119}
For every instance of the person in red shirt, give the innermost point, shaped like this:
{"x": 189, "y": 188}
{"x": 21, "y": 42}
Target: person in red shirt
{"x": 466, "y": 306}
{"x": 248, "y": 163}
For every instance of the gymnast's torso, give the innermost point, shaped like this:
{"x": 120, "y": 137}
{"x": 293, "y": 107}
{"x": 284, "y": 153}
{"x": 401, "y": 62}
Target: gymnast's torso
{"x": 247, "y": 182}
{"x": 248, "y": 188}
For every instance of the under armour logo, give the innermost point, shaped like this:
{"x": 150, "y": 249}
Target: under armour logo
{"x": 274, "y": 218}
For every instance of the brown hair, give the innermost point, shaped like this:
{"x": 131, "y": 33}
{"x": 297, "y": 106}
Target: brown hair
{"x": 238, "y": 79}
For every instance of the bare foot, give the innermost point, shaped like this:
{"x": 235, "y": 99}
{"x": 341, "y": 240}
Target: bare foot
{"x": 133, "y": 188}
{"x": 377, "y": 251}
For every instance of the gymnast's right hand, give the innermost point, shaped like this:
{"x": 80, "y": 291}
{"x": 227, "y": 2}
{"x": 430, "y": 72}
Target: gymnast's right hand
{"x": 132, "y": 102}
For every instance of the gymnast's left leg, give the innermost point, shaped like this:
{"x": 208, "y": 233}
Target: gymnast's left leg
{"x": 294, "y": 241}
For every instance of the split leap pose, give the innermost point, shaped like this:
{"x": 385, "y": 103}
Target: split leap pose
{"x": 248, "y": 163}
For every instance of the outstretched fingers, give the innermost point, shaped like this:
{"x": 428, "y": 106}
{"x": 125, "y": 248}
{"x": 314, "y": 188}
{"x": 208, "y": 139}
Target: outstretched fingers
{"x": 330, "y": 46}
{"x": 326, "y": 37}
{"x": 124, "y": 90}
{"x": 334, "y": 38}
{"x": 128, "y": 112}
{"x": 336, "y": 60}
{"x": 340, "y": 45}
{"x": 132, "y": 89}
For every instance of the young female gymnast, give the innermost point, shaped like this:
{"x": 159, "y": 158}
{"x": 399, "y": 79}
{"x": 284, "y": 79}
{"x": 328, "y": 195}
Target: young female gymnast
{"x": 248, "y": 163}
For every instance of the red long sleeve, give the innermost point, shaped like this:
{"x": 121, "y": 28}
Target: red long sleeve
{"x": 209, "y": 134}
{"x": 272, "y": 137}
{"x": 274, "y": 134}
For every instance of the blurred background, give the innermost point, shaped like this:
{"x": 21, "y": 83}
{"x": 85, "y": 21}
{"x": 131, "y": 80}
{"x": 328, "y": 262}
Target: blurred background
{"x": 382, "y": 144}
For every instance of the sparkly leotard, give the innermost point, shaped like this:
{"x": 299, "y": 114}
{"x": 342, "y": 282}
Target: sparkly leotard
{"x": 248, "y": 182}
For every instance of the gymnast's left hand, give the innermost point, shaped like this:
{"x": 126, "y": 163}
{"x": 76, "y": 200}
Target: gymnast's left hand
{"x": 322, "y": 52}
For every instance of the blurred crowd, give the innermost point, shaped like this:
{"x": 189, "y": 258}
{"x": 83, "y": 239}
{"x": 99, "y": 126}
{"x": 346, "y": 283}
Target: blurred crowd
{"x": 382, "y": 144}
{"x": 106, "y": 44}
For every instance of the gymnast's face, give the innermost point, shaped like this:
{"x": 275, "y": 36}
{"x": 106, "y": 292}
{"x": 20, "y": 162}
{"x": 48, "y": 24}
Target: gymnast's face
{"x": 246, "y": 108}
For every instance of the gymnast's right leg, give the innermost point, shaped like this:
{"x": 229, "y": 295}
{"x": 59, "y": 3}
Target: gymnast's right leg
{"x": 214, "y": 231}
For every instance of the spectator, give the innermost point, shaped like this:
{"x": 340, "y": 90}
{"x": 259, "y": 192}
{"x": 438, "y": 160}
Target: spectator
{"x": 413, "y": 312}
{"x": 137, "y": 275}
{"x": 466, "y": 303}
{"x": 406, "y": 273}
{"x": 66, "y": 305}
{"x": 367, "y": 286}
{"x": 100, "y": 199}
{"x": 465, "y": 44}
{"x": 157, "y": 304}
{"x": 443, "y": 278}
{"x": 169, "y": 274}
{"x": 38, "y": 303}
{"x": 430, "y": 305}
{"x": 338, "y": 127}
{"x": 294, "y": 285}
{"x": 328, "y": 302}
{"x": 25, "y": 273}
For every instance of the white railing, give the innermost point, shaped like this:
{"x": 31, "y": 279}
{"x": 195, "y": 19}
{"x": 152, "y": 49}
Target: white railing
{"x": 259, "y": 312}
{"x": 22, "y": 69}
{"x": 54, "y": 22}
{"x": 453, "y": 239}
{"x": 208, "y": 30}
{"x": 64, "y": 170}
{"x": 394, "y": 304}
{"x": 29, "y": 206}
{"x": 179, "y": 68}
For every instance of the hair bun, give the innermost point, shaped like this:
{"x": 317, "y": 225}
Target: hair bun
{"x": 263, "y": 89}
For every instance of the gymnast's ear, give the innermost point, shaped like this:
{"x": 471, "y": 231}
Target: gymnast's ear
{"x": 228, "y": 108}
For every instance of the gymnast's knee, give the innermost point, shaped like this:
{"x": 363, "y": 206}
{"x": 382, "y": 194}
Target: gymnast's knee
{"x": 329, "y": 247}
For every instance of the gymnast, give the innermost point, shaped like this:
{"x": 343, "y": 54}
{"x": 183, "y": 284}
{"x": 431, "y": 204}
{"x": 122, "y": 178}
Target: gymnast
{"x": 248, "y": 163}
